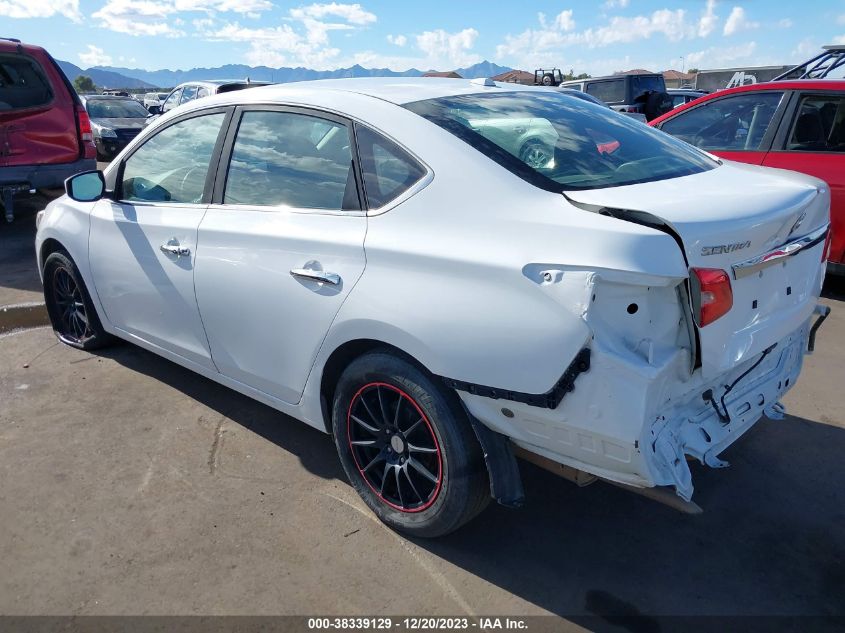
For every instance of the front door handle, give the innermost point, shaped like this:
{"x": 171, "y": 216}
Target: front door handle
{"x": 177, "y": 249}
{"x": 316, "y": 275}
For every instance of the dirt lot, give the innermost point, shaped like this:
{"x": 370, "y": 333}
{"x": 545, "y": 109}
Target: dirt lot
{"x": 130, "y": 486}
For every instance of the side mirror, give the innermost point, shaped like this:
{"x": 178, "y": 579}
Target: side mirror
{"x": 87, "y": 186}
{"x": 154, "y": 109}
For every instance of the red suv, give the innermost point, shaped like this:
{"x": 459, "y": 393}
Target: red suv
{"x": 797, "y": 125}
{"x": 45, "y": 134}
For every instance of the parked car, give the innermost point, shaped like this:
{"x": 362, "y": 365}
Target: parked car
{"x": 644, "y": 94}
{"x": 114, "y": 121}
{"x": 45, "y": 135}
{"x": 680, "y": 96}
{"x": 572, "y": 92}
{"x": 798, "y": 125}
{"x": 115, "y": 93}
{"x": 357, "y": 254}
{"x": 154, "y": 99}
{"x": 186, "y": 92}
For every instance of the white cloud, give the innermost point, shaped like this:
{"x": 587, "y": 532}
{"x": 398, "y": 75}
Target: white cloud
{"x": 612, "y": 4}
{"x": 303, "y": 40}
{"x": 397, "y": 40}
{"x": 544, "y": 45}
{"x": 737, "y": 22}
{"x": 785, "y": 23}
{"x": 351, "y": 13}
{"x": 717, "y": 56}
{"x": 40, "y": 9}
{"x": 158, "y": 17}
{"x": 805, "y": 48}
{"x": 563, "y": 21}
{"x": 223, "y": 6}
{"x": 137, "y": 17}
{"x": 444, "y": 49}
{"x": 95, "y": 56}
{"x": 708, "y": 20}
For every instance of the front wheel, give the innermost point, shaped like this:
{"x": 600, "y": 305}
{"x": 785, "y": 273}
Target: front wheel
{"x": 69, "y": 305}
{"x": 407, "y": 446}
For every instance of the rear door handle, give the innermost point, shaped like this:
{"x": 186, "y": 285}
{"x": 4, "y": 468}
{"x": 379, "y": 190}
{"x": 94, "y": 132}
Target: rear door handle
{"x": 316, "y": 275}
{"x": 177, "y": 249}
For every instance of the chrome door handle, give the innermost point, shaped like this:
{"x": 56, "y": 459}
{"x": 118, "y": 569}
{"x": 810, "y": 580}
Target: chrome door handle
{"x": 316, "y": 275}
{"x": 175, "y": 249}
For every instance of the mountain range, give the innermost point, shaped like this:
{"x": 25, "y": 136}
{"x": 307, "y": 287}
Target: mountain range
{"x": 115, "y": 77}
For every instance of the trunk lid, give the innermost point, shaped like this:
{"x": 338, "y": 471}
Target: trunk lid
{"x": 727, "y": 216}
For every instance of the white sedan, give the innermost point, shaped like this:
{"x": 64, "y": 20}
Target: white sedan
{"x": 384, "y": 260}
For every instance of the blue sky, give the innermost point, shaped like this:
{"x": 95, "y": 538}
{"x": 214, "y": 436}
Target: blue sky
{"x": 596, "y": 37}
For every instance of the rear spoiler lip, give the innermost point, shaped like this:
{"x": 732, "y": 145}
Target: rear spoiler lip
{"x": 777, "y": 255}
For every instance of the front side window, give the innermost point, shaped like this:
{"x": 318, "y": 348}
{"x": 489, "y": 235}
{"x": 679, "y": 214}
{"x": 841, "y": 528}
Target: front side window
{"x": 611, "y": 91}
{"x": 172, "y": 165}
{"x": 734, "y": 123}
{"x": 820, "y": 125}
{"x": 291, "y": 159}
{"x": 561, "y": 143}
{"x": 23, "y": 83}
{"x": 173, "y": 100}
{"x": 202, "y": 92}
{"x": 389, "y": 171}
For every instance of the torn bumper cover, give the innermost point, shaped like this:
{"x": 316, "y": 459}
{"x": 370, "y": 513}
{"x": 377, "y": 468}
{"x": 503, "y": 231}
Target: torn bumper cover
{"x": 636, "y": 424}
{"x": 707, "y": 422}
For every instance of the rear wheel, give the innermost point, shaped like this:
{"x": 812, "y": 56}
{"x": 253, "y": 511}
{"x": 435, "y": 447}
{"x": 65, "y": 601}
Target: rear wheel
{"x": 69, "y": 305}
{"x": 407, "y": 446}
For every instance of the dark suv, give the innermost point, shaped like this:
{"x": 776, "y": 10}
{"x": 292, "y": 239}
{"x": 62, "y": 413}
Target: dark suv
{"x": 644, "y": 93}
{"x": 45, "y": 134}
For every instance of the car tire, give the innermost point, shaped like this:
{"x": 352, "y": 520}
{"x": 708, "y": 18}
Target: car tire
{"x": 69, "y": 305}
{"x": 548, "y": 79}
{"x": 407, "y": 446}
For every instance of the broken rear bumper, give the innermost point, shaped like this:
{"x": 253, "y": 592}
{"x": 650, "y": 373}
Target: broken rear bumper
{"x": 637, "y": 424}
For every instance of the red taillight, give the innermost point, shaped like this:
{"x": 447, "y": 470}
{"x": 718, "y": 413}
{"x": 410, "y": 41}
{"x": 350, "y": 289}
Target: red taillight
{"x": 712, "y": 294}
{"x": 84, "y": 123}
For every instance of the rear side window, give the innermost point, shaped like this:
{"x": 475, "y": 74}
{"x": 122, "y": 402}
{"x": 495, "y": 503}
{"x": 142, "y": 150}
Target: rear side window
{"x": 389, "y": 171}
{"x": 734, "y": 123}
{"x": 23, "y": 83}
{"x": 291, "y": 159}
{"x": 820, "y": 125}
{"x": 611, "y": 91}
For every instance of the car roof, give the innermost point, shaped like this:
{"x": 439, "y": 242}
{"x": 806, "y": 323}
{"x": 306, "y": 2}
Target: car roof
{"x": 397, "y": 90}
{"x": 823, "y": 85}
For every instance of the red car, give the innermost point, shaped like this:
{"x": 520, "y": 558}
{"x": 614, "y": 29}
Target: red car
{"x": 45, "y": 134}
{"x": 797, "y": 125}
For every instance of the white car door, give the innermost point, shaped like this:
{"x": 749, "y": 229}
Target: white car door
{"x": 142, "y": 244}
{"x": 280, "y": 247}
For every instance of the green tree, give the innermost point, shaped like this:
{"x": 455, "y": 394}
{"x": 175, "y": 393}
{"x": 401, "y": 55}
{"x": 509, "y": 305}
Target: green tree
{"x": 83, "y": 83}
{"x": 693, "y": 71}
{"x": 571, "y": 75}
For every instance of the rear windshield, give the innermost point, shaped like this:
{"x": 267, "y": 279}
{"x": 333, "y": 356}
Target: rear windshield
{"x": 115, "y": 109}
{"x": 643, "y": 84}
{"x": 23, "y": 83}
{"x": 561, "y": 143}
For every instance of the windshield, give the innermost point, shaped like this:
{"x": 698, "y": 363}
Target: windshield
{"x": 116, "y": 109}
{"x": 560, "y": 143}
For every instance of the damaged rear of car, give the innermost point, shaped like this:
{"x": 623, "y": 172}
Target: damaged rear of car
{"x": 680, "y": 352}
